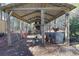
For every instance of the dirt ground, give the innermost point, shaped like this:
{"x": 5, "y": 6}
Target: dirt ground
{"x": 54, "y": 50}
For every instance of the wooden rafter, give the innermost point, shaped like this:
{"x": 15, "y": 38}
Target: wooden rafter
{"x": 50, "y": 15}
{"x": 55, "y": 7}
{"x": 60, "y": 14}
{"x": 47, "y": 16}
{"x": 33, "y": 19}
{"x": 31, "y": 13}
{"x": 17, "y": 16}
{"x": 8, "y": 7}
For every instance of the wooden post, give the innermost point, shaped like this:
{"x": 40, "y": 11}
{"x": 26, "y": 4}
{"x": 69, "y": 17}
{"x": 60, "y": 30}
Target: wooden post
{"x": 26, "y": 27}
{"x": 49, "y": 26}
{"x": 55, "y": 25}
{"x": 8, "y": 28}
{"x": 0, "y": 12}
{"x": 42, "y": 26}
{"x": 21, "y": 26}
{"x": 12, "y": 25}
{"x": 67, "y": 32}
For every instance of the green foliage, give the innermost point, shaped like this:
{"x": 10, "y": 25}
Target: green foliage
{"x": 76, "y": 4}
{"x": 74, "y": 26}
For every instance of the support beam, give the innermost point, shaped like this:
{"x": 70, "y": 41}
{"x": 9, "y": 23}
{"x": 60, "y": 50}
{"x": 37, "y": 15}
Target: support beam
{"x": 49, "y": 8}
{"x": 8, "y": 28}
{"x": 36, "y": 11}
{"x": 68, "y": 27}
{"x": 0, "y": 12}
{"x": 55, "y": 23}
{"x": 12, "y": 24}
{"x": 17, "y": 16}
{"x": 42, "y": 26}
{"x": 67, "y": 32}
{"x": 21, "y": 26}
{"x": 49, "y": 26}
{"x": 24, "y": 28}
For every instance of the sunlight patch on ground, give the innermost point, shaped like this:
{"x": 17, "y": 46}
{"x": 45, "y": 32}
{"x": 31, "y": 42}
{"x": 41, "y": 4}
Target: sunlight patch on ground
{"x": 53, "y": 51}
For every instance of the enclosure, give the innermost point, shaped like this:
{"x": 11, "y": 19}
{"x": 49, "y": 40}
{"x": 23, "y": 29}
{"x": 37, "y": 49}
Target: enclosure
{"x": 37, "y": 24}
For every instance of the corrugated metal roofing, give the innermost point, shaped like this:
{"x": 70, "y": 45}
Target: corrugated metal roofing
{"x": 57, "y": 9}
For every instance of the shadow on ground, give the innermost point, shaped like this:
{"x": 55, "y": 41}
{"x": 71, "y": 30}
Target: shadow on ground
{"x": 18, "y": 47}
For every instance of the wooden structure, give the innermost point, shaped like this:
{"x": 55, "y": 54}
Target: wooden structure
{"x": 30, "y": 12}
{"x": 3, "y": 26}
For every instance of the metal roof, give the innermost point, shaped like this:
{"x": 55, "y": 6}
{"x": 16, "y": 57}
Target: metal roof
{"x": 30, "y": 12}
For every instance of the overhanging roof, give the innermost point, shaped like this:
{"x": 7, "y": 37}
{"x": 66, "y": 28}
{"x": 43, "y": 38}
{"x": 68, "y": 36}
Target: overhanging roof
{"x": 27, "y": 11}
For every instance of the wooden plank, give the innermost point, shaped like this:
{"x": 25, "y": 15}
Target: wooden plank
{"x": 47, "y": 8}
{"x": 31, "y": 13}
{"x": 41, "y": 5}
{"x": 17, "y": 16}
